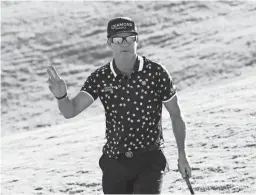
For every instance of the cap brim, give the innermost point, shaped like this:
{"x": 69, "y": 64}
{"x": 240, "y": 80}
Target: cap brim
{"x": 122, "y": 32}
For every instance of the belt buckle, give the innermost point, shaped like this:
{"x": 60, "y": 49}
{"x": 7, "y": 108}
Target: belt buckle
{"x": 129, "y": 154}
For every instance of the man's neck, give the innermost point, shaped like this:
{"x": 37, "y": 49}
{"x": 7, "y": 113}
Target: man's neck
{"x": 126, "y": 64}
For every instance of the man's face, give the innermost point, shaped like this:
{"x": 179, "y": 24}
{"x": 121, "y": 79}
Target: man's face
{"x": 121, "y": 46}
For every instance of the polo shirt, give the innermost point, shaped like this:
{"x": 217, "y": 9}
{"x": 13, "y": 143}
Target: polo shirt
{"x": 133, "y": 105}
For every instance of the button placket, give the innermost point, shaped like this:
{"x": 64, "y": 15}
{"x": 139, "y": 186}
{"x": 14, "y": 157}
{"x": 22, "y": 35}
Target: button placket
{"x": 128, "y": 118}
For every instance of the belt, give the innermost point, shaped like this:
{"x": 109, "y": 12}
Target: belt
{"x": 131, "y": 154}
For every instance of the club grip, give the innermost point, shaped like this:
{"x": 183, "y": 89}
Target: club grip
{"x": 188, "y": 183}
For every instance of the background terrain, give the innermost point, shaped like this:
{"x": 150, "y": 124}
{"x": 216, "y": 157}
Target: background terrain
{"x": 210, "y": 50}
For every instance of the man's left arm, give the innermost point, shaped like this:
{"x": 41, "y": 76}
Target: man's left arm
{"x": 179, "y": 130}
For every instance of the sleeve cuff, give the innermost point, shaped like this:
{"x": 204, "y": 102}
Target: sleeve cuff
{"x": 170, "y": 98}
{"x": 88, "y": 94}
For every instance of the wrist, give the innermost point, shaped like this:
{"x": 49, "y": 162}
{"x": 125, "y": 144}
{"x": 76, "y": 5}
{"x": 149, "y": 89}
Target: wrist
{"x": 62, "y": 97}
{"x": 182, "y": 154}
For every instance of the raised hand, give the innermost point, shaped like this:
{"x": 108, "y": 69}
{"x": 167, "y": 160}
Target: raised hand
{"x": 56, "y": 84}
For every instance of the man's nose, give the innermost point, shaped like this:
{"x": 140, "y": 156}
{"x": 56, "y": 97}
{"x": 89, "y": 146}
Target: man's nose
{"x": 124, "y": 43}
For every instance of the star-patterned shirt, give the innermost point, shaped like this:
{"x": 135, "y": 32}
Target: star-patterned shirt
{"x": 133, "y": 105}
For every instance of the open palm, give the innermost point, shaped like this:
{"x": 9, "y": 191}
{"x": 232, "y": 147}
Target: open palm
{"x": 56, "y": 85}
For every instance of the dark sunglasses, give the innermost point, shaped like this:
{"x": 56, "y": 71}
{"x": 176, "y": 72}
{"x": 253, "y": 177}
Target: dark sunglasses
{"x": 128, "y": 39}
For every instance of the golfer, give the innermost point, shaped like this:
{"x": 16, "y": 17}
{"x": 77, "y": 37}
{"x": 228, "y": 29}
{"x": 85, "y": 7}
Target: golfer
{"x": 132, "y": 89}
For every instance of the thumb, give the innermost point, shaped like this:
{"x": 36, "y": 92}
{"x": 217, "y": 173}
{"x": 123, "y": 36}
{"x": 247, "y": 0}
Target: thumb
{"x": 50, "y": 87}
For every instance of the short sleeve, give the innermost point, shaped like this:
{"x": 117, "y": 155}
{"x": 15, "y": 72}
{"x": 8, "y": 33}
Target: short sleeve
{"x": 90, "y": 86}
{"x": 166, "y": 85}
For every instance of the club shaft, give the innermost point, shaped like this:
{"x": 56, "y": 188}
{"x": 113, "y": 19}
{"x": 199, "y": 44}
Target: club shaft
{"x": 189, "y": 186}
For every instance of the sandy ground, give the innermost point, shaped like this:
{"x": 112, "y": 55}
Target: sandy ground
{"x": 210, "y": 50}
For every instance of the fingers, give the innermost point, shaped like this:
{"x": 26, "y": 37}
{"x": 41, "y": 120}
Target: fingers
{"x": 53, "y": 73}
{"x": 50, "y": 81}
{"x": 56, "y": 75}
{"x": 185, "y": 171}
{"x": 51, "y": 76}
{"x": 188, "y": 172}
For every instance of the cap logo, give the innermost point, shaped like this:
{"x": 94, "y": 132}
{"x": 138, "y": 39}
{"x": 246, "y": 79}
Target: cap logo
{"x": 120, "y": 26}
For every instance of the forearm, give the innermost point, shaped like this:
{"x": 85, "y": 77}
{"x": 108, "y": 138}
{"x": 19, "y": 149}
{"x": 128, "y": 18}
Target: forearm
{"x": 66, "y": 107}
{"x": 179, "y": 130}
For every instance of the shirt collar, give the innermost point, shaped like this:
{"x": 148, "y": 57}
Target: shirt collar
{"x": 137, "y": 67}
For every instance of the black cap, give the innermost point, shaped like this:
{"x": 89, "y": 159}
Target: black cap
{"x": 121, "y": 24}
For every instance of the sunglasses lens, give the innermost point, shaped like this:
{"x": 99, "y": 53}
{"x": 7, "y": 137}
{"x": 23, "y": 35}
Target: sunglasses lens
{"x": 117, "y": 40}
{"x": 131, "y": 39}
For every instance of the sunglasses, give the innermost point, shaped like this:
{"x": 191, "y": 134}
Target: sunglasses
{"x": 128, "y": 39}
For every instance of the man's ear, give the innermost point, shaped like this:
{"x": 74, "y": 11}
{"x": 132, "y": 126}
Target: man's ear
{"x": 109, "y": 43}
{"x": 137, "y": 40}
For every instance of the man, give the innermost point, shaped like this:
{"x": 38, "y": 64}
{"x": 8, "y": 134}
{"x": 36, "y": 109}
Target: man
{"x": 132, "y": 89}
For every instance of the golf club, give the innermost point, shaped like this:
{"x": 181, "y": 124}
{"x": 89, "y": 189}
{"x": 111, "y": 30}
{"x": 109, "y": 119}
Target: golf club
{"x": 188, "y": 182}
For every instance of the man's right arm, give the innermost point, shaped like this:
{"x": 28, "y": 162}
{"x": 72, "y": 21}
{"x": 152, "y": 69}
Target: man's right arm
{"x": 72, "y": 107}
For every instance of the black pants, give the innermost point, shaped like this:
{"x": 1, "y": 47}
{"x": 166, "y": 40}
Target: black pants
{"x": 141, "y": 174}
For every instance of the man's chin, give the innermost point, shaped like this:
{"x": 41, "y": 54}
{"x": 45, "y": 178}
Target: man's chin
{"x": 126, "y": 53}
